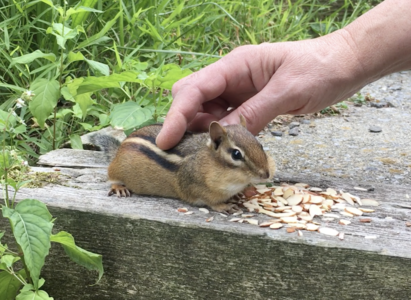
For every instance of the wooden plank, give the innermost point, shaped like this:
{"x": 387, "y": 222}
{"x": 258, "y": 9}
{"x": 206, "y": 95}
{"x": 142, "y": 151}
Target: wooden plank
{"x": 151, "y": 251}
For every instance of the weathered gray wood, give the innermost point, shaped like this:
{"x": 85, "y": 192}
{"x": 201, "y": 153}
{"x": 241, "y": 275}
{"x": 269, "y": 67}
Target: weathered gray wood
{"x": 153, "y": 252}
{"x": 73, "y": 158}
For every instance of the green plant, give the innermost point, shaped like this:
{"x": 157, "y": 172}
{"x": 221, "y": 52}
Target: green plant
{"x": 334, "y": 109}
{"x": 30, "y": 224}
{"x": 359, "y": 99}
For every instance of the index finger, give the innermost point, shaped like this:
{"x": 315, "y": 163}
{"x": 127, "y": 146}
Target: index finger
{"x": 189, "y": 95}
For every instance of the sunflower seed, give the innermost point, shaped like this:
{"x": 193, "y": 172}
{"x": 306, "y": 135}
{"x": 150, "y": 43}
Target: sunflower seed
{"x": 315, "y": 211}
{"x": 354, "y": 211}
{"x": 328, "y": 231}
{"x": 295, "y": 199}
{"x": 276, "y": 226}
{"x": 311, "y": 227}
{"x": 266, "y": 224}
{"x": 369, "y": 202}
{"x": 344, "y": 222}
{"x": 289, "y": 219}
{"x": 365, "y": 220}
{"x": 367, "y": 210}
{"x": 288, "y": 193}
{"x": 252, "y": 221}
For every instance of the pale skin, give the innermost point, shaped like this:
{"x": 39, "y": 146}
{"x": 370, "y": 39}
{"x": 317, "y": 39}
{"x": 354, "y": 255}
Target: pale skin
{"x": 264, "y": 81}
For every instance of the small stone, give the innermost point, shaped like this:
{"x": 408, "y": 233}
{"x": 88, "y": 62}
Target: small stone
{"x": 294, "y": 131}
{"x": 395, "y": 87}
{"x": 293, "y": 125}
{"x": 375, "y": 129}
{"x": 276, "y": 133}
{"x": 305, "y": 122}
{"x": 378, "y": 104}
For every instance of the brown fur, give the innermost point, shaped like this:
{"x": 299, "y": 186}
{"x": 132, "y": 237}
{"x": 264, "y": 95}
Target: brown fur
{"x": 198, "y": 170}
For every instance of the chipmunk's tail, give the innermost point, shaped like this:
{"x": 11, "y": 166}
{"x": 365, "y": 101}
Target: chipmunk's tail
{"x": 106, "y": 143}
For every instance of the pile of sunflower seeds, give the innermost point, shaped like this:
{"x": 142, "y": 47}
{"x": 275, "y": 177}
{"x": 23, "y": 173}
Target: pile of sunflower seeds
{"x": 296, "y": 206}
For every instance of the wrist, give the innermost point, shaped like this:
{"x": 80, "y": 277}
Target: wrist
{"x": 380, "y": 39}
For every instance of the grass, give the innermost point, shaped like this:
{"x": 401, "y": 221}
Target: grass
{"x": 144, "y": 37}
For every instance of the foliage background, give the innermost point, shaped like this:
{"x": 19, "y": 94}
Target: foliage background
{"x": 92, "y": 63}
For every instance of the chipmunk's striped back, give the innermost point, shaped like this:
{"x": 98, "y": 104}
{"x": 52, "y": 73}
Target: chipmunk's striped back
{"x": 206, "y": 168}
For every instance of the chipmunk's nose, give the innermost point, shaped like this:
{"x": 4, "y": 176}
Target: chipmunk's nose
{"x": 265, "y": 174}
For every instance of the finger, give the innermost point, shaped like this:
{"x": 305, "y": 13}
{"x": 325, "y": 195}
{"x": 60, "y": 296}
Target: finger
{"x": 271, "y": 101}
{"x": 172, "y": 131}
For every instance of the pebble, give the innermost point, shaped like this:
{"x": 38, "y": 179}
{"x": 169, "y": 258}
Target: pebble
{"x": 294, "y": 131}
{"x": 375, "y": 129}
{"x": 395, "y": 87}
{"x": 293, "y": 125}
{"x": 305, "y": 122}
{"x": 378, "y": 104}
{"x": 277, "y": 133}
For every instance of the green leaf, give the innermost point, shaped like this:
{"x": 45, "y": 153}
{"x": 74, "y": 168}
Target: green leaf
{"x": 164, "y": 77}
{"x": 65, "y": 92}
{"x": 9, "y": 260}
{"x": 75, "y": 142}
{"x": 28, "y": 58}
{"x": 31, "y": 223}
{"x": 89, "y": 260}
{"x": 74, "y": 85}
{"x": 92, "y": 84}
{"x": 74, "y": 56}
{"x": 153, "y": 32}
{"x": 81, "y": 9}
{"x": 19, "y": 129}
{"x": 7, "y": 117}
{"x": 6, "y": 161}
{"x": 9, "y": 286}
{"x": 79, "y": 18}
{"x": 99, "y": 67}
{"x": 100, "y": 34}
{"x": 63, "y": 33}
{"x": 45, "y": 100}
{"x": 34, "y": 295}
{"x": 12, "y": 87}
{"x": 129, "y": 115}
{"x": 48, "y": 2}
{"x": 85, "y": 101}
{"x": 172, "y": 73}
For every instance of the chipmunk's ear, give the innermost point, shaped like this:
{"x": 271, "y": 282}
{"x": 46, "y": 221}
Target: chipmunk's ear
{"x": 243, "y": 122}
{"x": 217, "y": 134}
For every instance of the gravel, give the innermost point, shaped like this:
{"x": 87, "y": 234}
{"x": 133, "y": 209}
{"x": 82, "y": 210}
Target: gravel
{"x": 342, "y": 146}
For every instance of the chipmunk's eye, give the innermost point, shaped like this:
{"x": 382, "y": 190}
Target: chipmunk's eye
{"x": 236, "y": 154}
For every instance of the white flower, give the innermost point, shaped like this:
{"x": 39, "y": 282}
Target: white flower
{"x": 29, "y": 93}
{"x": 25, "y": 163}
{"x": 20, "y": 103}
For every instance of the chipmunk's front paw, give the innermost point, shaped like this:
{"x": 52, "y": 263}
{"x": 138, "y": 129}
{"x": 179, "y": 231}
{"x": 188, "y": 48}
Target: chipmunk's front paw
{"x": 120, "y": 190}
{"x": 227, "y": 208}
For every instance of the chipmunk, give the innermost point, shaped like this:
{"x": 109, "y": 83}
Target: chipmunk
{"x": 204, "y": 168}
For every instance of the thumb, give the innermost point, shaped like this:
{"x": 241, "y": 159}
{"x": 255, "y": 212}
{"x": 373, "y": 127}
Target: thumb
{"x": 258, "y": 111}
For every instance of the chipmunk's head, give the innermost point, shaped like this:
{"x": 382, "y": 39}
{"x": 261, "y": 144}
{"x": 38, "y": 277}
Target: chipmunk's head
{"x": 239, "y": 151}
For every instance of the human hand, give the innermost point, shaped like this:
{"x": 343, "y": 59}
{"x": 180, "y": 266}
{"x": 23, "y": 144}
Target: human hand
{"x": 261, "y": 82}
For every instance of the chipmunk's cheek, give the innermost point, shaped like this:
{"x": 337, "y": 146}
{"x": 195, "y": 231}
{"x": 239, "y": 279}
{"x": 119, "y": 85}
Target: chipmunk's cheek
{"x": 235, "y": 188}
